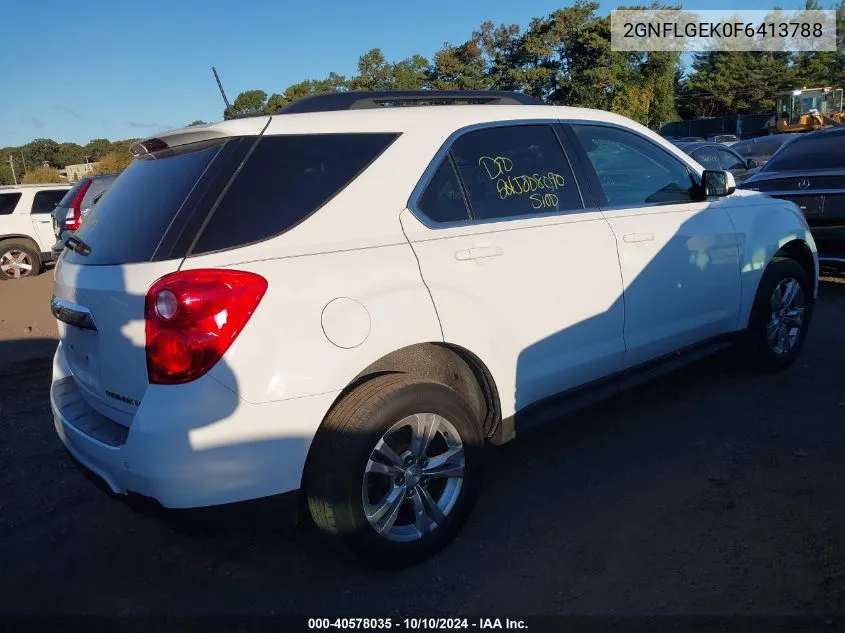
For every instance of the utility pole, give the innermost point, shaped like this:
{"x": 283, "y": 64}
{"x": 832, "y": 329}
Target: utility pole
{"x": 12, "y": 165}
{"x": 24, "y": 162}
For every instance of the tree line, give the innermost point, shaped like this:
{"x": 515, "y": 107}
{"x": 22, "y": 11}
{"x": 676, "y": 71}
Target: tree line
{"x": 565, "y": 58}
{"x": 41, "y": 158}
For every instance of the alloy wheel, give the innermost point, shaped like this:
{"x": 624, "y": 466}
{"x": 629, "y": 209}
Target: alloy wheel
{"x": 784, "y": 327}
{"x": 16, "y": 264}
{"x": 413, "y": 478}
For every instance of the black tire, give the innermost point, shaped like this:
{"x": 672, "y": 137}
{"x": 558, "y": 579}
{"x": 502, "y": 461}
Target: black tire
{"x": 334, "y": 475}
{"x": 755, "y": 347}
{"x": 31, "y": 254}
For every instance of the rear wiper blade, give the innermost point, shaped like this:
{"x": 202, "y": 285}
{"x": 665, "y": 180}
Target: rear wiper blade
{"x": 77, "y": 246}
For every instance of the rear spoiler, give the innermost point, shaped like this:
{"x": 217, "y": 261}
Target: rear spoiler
{"x": 242, "y": 127}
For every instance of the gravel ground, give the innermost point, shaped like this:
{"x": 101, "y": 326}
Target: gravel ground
{"x": 714, "y": 491}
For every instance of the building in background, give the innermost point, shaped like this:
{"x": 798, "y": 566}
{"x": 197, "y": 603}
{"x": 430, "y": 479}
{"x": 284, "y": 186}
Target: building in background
{"x": 74, "y": 172}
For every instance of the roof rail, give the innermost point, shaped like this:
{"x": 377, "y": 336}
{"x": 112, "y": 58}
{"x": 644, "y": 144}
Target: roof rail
{"x": 360, "y": 100}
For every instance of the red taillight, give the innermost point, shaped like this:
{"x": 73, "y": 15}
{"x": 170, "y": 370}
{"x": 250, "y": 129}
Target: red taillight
{"x": 74, "y": 214}
{"x": 192, "y": 317}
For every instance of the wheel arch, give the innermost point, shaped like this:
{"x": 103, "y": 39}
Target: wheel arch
{"x": 6, "y": 237}
{"x": 446, "y": 363}
{"x": 799, "y": 251}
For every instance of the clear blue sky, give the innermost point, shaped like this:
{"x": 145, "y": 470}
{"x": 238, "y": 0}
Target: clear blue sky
{"x": 73, "y": 71}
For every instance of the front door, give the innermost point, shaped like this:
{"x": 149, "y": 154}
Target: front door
{"x": 520, "y": 272}
{"x": 679, "y": 257}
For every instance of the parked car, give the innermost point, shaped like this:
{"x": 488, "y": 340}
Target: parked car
{"x": 26, "y": 233}
{"x": 757, "y": 151}
{"x": 718, "y": 156}
{"x": 810, "y": 171}
{"x": 688, "y": 139}
{"x": 352, "y": 299}
{"x": 724, "y": 139}
{"x": 75, "y": 206}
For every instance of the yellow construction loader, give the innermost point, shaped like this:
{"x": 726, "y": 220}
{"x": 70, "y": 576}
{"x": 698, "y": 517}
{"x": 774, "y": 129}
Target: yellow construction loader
{"x": 806, "y": 110}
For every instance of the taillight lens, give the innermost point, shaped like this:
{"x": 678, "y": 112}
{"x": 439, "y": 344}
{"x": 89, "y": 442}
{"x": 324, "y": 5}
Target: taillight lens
{"x": 192, "y": 317}
{"x": 74, "y": 214}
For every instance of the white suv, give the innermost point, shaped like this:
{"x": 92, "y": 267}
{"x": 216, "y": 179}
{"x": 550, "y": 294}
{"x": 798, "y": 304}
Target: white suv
{"x": 26, "y": 227}
{"x": 353, "y": 301}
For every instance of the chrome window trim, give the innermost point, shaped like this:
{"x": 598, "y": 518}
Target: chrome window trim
{"x": 432, "y": 167}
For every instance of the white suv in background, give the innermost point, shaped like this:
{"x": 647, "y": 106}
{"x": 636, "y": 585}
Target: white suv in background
{"x": 26, "y": 227}
{"x": 352, "y": 299}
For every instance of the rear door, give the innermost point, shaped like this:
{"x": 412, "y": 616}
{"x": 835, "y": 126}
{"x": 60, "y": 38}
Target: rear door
{"x": 521, "y": 266}
{"x": 137, "y": 234}
{"x": 44, "y": 202}
{"x": 679, "y": 256}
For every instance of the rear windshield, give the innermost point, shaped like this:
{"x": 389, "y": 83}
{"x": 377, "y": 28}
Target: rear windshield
{"x": 68, "y": 197}
{"x": 127, "y": 225}
{"x": 286, "y": 179}
{"x": 810, "y": 153}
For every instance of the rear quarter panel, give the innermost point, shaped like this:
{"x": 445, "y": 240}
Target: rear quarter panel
{"x": 345, "y": 274}
{"x": 323, "y": 319}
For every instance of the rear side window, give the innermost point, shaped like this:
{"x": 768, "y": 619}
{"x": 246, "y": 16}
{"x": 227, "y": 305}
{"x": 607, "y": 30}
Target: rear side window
{"x": 515, "y": 170}
{"x": 442, "y": 200}
{"x": 70, "y": 195}
{"x": 286, "y": 179}
{"x": 633, "y": 171}
{"x": 128, "y": 224}
{"x": 707, "y": 158}
{"x": 46, "y": 201}
{"x": 821, "y": 152}
{"x": 8, "y": 202}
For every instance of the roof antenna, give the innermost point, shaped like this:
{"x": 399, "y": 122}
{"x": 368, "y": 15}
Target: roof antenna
{"x": 220, "y": 85}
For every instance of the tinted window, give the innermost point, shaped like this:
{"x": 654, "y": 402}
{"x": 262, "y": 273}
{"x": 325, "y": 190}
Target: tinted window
{"x": 128, "y": 224}
{"x": 46, "y": 201}
{"x": 442, "y": 200}
{"x": 631, "y": 169}
{"x": 284, "y": 181}
{"x": 70, "y": 195}
{"x": 98, "y": 186}
{"x": 822, "y": 152}
{"x": 707, "y": 158}
{"x": 515, "y": 170}
{"x": 730, "y": 160}
{"x": 8, "y": 202}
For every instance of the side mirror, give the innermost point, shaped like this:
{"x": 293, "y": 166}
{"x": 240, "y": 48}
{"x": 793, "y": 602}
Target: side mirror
{"x": 751, "y": 163}
{"x": 716, "y": 182}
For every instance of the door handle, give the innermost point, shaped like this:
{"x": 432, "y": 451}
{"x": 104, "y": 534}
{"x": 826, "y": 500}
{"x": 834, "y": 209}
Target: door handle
{"x": 479, "y": 252}
{"x": 47, "y": 221}
{"x": 632, "y": 238}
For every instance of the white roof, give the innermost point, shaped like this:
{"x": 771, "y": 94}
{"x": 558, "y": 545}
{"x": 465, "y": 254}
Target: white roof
{"x": 436, "y": 119}
{"x": 43, "y": 185}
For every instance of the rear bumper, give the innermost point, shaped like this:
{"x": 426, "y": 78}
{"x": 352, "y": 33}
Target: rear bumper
{"x": 192, "y": 445}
